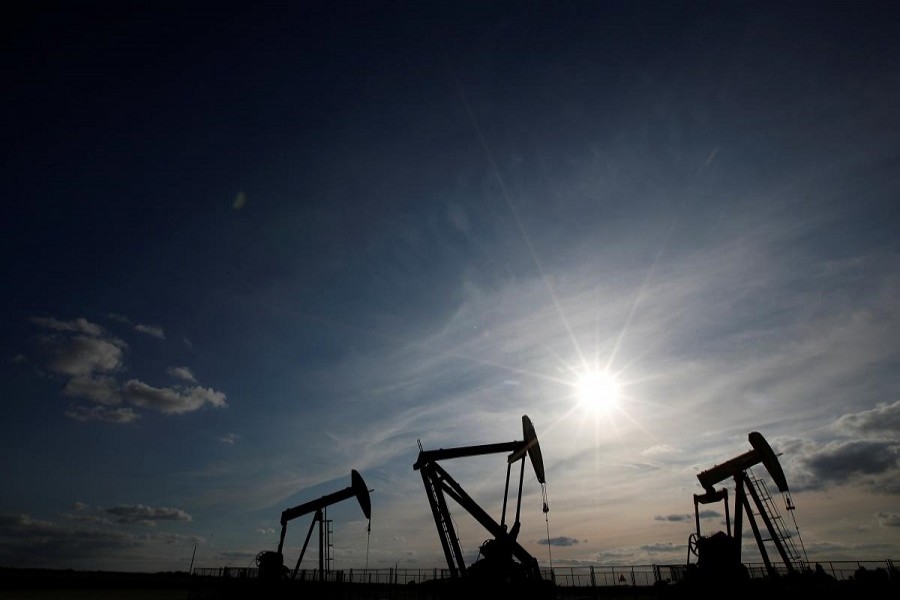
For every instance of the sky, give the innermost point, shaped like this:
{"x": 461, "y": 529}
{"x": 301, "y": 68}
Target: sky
{"x": 251, "y": 247}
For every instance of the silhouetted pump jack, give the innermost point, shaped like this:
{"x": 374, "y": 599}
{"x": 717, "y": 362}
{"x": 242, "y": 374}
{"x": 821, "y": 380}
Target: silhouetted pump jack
{"x": 271, "y": 564}
{"x": 719, "y": 555}
{"x": 497, "y": 564}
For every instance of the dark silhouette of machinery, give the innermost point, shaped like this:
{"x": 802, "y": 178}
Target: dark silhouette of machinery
{"x": 719, "y": 555}
{"x": 503, "y": 559}
{"x": 271, "y": 564}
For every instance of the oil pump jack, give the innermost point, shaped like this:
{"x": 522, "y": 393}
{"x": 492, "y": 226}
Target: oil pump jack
{"x": 719, "y": 555}
{"x": 496, "y": 564}
{"x": 271, "y": 564}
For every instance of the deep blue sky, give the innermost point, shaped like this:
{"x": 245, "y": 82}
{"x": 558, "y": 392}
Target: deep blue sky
{"x": 249, "y": 247}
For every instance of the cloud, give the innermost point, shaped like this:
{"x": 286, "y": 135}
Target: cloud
{"x": 151, "y": 330}
{"x": 85, "y": 513}
{"x": 239, "y": 201}
{"x": 674, "y": 518}
{"x": 661, "y": 547}
{"x": 100, "y": 390}
{"x": 86, "y": 518}
{"x": 79, "y": 348}
{"x": 265, "y": 531}
{"x": 710, "y": 514}
{"x": 883, "y": 421}
{"x": 889, "y": 519}
{"x": 874, "y": 463}
{"x": 82, "y": 542}
{"x": 82, "y": 355}
{"x": 171, "y": 401}
{"x": 138, "y": 513}
{"x": 869, "y": 455}
{"x": 103, "y": 414}
{"x": 80, "y": 325}
{"x": 182, "y": 373}
{"x": 25, "y": 537}
{"x": 561, "y": 541}
{"x": 659, "y": 450}
{"x": 119, "y": 318}
{"x": 229, "y": 438}
{"x": 90, "y": 357}
{"x": 840, "y": 460}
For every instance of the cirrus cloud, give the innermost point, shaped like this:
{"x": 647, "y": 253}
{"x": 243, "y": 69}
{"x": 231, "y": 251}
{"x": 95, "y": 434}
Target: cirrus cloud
{"x": 171, "y": 401}
{"x": 147, "y": 515}
{"x": 80, "y": 325}
{"x": 151, "y": 330}
{"x": 102, "y": 414}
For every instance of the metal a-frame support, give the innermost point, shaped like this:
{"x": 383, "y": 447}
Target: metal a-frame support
{"x": 743, "y": 487}
{"x": 439, "y": 485}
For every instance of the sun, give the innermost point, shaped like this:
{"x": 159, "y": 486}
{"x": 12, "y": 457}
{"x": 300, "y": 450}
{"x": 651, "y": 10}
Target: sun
{"x": 597, "y": 390}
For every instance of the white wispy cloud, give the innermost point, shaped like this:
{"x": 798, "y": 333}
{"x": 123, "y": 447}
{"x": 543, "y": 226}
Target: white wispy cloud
{"x": 659, "y": 450}
{"x": 229, "y": 438}
{"x": 151, "y": 330}
{"x": 182, "y": 373}
{"x": 139, "y": 513}
{"x": 103, "y": 414}
{"x": 171, "y": 400}
{"x": 80, "y": 325}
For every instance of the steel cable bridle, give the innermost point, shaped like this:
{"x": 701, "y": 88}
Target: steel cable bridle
{"x": 547, "y": 521}
{"x": 368, "y": 537}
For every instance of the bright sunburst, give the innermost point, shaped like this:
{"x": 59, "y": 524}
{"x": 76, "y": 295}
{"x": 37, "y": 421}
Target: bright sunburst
{"x": 597, "y": 390}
